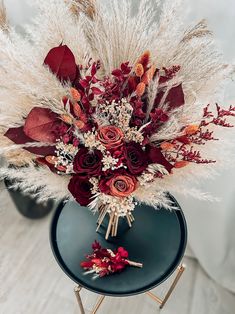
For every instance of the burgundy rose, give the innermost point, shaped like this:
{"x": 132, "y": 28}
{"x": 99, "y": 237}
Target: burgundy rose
{"x": 87, "y": 163}
{"x": 156, "y": 157}
{"x": 136, "y": 159}
{"x": 80, "y": 188}
{"x": 120, "y": 185}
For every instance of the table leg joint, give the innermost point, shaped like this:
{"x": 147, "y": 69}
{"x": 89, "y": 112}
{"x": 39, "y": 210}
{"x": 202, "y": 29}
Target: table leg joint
{"x": 163, "y": 301}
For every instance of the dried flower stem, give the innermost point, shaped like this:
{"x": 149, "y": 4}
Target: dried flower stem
{"x": 131, "y": 263}
{"x": 110, "y": 225}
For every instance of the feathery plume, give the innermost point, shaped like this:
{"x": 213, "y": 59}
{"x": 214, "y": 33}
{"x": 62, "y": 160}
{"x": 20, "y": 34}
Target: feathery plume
{"x": 3, "y": 17}
{"x": 88, "y": 7}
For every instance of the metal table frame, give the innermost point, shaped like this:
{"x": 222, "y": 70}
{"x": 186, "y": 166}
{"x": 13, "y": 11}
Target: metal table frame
{"x": 162, "y": 302}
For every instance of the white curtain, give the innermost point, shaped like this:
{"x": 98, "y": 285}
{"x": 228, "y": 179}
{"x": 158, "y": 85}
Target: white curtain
{"x": 211, "y": 225}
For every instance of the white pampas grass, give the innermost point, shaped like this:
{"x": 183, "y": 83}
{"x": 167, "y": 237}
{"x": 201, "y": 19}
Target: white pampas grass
{"x": 111, "y": 32}
{"x": 3, "y": 17}
{"x": 38, "y": 181}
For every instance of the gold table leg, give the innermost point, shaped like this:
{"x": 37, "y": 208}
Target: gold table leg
{"x": 154, "y": 297}
{"x": 96, "y": 308}
{"x": 181, "y": 269}
{"x": 77, "y": 291}
{"x": 162, "y": 302}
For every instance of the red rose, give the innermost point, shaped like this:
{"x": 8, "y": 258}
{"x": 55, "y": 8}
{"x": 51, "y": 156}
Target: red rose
{"x": 87, "y": 163}
{"x": 156, "y": 157}
{"x": 120, "y": 185}
{"x": 80, "y": 188}
{"x": 136, "y": 159}
{"x": 110, "y": 136}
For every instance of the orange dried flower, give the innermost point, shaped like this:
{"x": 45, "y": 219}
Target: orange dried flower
{"x": 140, "y": 89}
{"x": 139, "y": 69}
{"x": 145, "y": 58}
{"x": 191, "y": 129}
{"x": 79, "y": 124}
{"x": 51, "y": 159}
{"x": 61, "y": 168}
{"x": 181, "y": 164}
{"x": 148, "y": 76}
{"x": 75, "y": 94}
{"x": 167, "y": 146}
{"x": 66, "y": 118}
{"x": 77, "y": 110}
{"x": 110, "y": 136}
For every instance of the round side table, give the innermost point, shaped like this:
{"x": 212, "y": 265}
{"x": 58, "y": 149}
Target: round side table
{"x": 157, "y": 239}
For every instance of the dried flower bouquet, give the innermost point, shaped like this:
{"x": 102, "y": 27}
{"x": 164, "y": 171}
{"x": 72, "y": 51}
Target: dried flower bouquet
{"x": 108, "y": 107}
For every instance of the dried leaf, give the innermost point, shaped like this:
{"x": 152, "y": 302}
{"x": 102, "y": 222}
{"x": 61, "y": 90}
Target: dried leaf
{"x": 175, "y": 97}
{"x": 61, "y": 62}
{"x": 156, "y": 157}
{"x": 96, "y": 91}
{"x": 41, "y": 125}
{"x": 18, "y": 136}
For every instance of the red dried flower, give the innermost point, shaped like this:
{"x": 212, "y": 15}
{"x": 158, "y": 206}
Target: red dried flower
{"x": 135, "y": 158}
{"x": 110, "y": 136}
{"x": 119, "y": 185}
{"x": 103, "y": 262}
{"x": 87, "y": 163}
{"x": 80, "y": 188}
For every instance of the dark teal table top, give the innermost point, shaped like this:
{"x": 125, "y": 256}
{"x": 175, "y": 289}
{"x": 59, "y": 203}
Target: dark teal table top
{"x": 157, "y": 239}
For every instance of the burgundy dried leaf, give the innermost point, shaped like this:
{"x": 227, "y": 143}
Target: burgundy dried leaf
{"x": 117, "y": 73}
{"x": 155, "y": 155}
{"x": 96, "y": 91}
{"x": 41, "y": 151}
{"x": 94, "y": 80}
{"x": 93, "y": 69}
{"x": 126, "y": 69}
{"x": 17, "y": 136}
{"x": 61, "y": 62}
{"x": 88, "y": 78}
{"x": 84, "y": 83}
{"x": 91, "y": 97}
{"x": 175, "y": 97}
{"x": 41, "y": 125}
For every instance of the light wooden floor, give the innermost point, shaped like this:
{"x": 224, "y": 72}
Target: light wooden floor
{"x": 32, "y": 283}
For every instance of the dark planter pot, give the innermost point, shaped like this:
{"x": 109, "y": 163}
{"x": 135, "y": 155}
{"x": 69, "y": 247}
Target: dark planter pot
{"x": 28, "y": 206}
